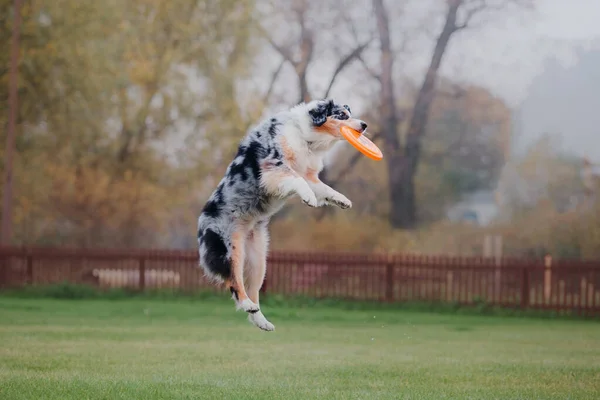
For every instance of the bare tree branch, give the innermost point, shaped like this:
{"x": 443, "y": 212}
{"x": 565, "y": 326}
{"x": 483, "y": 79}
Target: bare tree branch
{"x": 274, "y": 77}
{"x": 369, "y": 70}
{"x": 350, "y": 23}
{"x": 479, "y": 5}
{"x": 475, "y": 7}
{"x": 344, "y": 62}
{"x": 284, "y": 52}
{"x": 307, "y": 46}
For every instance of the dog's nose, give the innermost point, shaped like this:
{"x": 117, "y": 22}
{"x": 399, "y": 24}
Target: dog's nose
{"x": 363, "y": 125}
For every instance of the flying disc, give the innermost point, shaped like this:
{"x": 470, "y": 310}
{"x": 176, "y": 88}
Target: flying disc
{"x": 361, "y": 143}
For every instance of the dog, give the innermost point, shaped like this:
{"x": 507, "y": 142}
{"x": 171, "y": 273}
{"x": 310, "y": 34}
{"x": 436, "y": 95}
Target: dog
{"x": 277, "y": 159}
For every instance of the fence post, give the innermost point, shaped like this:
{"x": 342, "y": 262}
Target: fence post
{"x": 3, "y": 272}
{"x": 389, "y": 279}
{"x": 29, "y": 268}
{"x": 547, "y": 279}
{"x": 524, "y": 287}
{"x": 142, "y": 267}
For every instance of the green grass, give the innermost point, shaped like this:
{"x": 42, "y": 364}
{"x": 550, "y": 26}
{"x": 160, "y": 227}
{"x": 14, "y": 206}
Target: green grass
{"x": 144, "y": 348}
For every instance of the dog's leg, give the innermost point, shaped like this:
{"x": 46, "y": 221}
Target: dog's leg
{"x": 326, "y": 194}
{"x": 236, "y": 283}
{"x": 256, "y": 262}
{"x": 283, "y": 181}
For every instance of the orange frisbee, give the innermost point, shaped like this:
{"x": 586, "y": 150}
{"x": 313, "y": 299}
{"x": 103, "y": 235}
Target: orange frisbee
{"x": 361, "y": 143}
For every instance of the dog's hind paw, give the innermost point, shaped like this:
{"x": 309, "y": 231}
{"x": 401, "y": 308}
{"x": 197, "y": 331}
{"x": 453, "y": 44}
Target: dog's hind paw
{"x": 259, "y": 320}
{"x": 249, "y": 306}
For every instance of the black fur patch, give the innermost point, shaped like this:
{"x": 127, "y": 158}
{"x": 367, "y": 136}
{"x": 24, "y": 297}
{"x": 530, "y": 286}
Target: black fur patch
{"x": 273, "y": 127}
{"x": 251, "y": 156}
{"x": 234, "y": 292}
{"x": 322, "y": 110}
{"x": 219, "y": 194}
{"x": 213, "y": 206}
{"x": 239, "y": 168}
{"x": 212, "y": 209}
{"x": 263, "y": 203}
{"x": 216, "y": 254}
{"x": 254, "y": 154}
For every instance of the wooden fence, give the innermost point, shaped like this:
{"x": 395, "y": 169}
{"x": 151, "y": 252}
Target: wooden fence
{"x": 561, "y": 285}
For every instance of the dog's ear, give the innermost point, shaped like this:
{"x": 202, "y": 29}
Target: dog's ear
{"x": 321, "y": 110}
{"x": 347, "y": 108}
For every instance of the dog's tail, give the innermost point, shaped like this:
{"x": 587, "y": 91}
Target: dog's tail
{"x": 213, "y": 256}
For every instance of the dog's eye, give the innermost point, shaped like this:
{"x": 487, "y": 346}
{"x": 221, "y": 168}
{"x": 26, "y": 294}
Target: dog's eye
{"x": 342, "y": 116}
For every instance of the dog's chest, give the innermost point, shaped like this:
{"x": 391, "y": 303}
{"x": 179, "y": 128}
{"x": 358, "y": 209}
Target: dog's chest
{"x": 301, "y": 158}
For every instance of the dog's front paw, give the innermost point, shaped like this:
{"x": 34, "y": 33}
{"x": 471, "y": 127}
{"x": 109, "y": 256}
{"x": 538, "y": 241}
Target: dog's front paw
{"x": 339, "y": 200}
{"x": 308, "y": 197}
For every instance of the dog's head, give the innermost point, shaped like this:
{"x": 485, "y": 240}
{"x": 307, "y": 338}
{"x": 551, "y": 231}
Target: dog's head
{"x": 328, "y": 117}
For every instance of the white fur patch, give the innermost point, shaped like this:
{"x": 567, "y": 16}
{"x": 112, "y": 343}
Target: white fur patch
{"x": 259, "y": 320}
{"x": 247, "y": 305}
{"x": 306, "y": 193}
{"x": 299, "y": 186}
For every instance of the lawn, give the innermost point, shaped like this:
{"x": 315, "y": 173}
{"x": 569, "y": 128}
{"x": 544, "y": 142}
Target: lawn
{"x": 193, "y": 349}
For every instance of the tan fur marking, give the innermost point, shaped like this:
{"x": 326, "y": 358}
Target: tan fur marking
{"x": 288, "y": 153}
{"x": 237, "y": 264}
{"x": 312, "y": 176}
{"x": 332, "y": 126}
{"x": 271, "y": 178}
{"x": 257, "y": 245}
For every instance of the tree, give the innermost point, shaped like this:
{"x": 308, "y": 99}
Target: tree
{"x": 306, "y": 25}
{"x": 123, "y": 105}
{"x": 543, "y": 174}
{"x": 463, "y": 150}
{"x": 402, "y": 156}
{"x": 311, "y": 38}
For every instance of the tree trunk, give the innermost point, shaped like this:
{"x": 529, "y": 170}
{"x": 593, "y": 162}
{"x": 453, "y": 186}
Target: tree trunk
{"x": 402, "y": 165}
{"x": 303, "y": 85}
{"x": 389, "y": 119}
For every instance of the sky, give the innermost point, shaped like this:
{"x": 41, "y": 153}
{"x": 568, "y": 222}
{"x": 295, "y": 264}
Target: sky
{"x": 515, "y": 50}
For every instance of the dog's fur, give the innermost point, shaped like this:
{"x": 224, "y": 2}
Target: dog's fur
{"x": 277, "y": 159}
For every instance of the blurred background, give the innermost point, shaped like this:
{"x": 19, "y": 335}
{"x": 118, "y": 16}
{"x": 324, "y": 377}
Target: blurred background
{"x": 130, "y": 111}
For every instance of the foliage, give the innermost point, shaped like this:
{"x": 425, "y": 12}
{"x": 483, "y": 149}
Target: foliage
{"x": 341, "y": 232}
{"x": 122, "y": 105}
{"x": 131, "y": 110}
